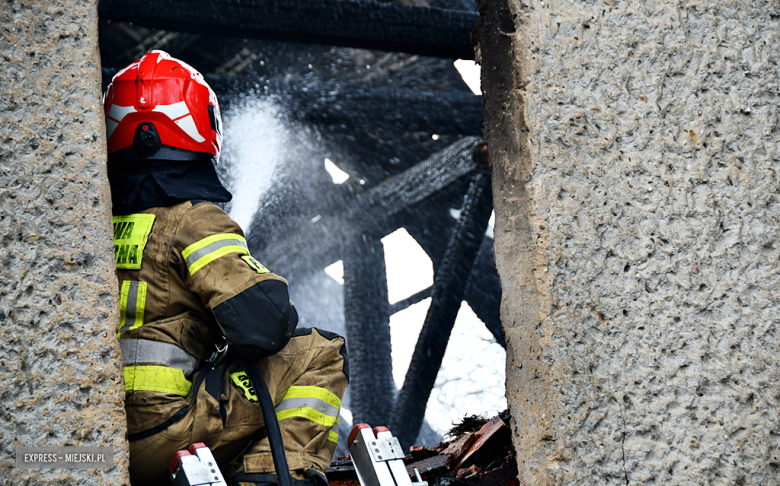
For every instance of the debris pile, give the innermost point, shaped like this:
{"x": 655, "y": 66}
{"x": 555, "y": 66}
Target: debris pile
{"x": 479, "y": 454}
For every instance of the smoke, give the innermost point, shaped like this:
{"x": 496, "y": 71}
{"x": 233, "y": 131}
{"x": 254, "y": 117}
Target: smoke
{"x": 279, "y": 169}
{"x": 256, "y": 140}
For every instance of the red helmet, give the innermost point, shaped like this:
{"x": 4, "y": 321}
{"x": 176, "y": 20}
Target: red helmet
{"x": 161, "y": 108}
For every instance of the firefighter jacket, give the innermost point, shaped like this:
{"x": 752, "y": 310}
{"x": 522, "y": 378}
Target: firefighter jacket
{"x": 186, "y": 280}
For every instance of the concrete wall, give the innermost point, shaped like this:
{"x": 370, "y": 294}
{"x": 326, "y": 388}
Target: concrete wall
{"x": 60, "y": 367}
{"x": 635, "y": 147}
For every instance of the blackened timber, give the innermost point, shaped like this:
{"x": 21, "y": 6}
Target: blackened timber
{"x": 449, "y": 289}
{"x": 484, "y": 291}
{"x": 326, "y": 105}
{"x": 371, "y": 208}
{"x": 421, "y": 181}
{"x": 364, "y": 24}
{"x": 172, "y": 42}
{"x": 367, "y": 322}
{"x": 442, "y": 113}
{"x": 410, "y": 301}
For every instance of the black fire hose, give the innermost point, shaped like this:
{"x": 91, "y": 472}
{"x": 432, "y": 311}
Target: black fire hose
{"x": 271, "y": 423}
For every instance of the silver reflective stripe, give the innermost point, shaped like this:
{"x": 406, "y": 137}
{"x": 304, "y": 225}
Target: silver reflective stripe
{"x": 335, "y": 427}
{"x": 310, "y": 402}
{"x": 132, "y": 300}
{"x": 198, "y": 254}
{"x": 136, "y": 351}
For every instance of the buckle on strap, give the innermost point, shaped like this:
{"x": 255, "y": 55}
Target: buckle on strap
{"x": 219, "y": 353}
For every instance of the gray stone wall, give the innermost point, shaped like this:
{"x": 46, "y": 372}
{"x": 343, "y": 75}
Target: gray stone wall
{"x": 60, "y": 366}
{"x": 636, "y": 156}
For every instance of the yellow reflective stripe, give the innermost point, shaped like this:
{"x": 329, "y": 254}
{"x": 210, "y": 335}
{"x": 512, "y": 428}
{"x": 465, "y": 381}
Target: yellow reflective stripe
{"x": 159, "y": 379}
{"x": 132, "y": 300}
{"x": 323, "y": 394}
{"x": 309, "y": 414}
{"x": 209, "y": 240}
{"x": 131, "y": 232}
{"x": 123, "y": 291}
{"x": 333, "y": 433}
{"x": 295, "y": 392}
{"x": 205, "y": 251}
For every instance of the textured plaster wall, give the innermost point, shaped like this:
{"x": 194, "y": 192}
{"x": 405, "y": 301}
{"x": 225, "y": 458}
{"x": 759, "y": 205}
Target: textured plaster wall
{"x": 635, "y": 146}
{"x": 60, "y": 375}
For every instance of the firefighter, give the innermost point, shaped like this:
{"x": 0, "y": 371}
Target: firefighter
{"x": 192, "y": 296}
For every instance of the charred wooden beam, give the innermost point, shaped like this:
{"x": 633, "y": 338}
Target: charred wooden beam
{"x": 411, "y": 300}
{"x": 364, "y": 24}
{"x": 449, "y": 289}
{"x": 396, "y": 110}
{"x": 484, "y": 291}
{"x": 367, "y": 322}
{"x": 369, "y": 210}
{"x": 421, "y": 181}
{"x": 172, "y": 42}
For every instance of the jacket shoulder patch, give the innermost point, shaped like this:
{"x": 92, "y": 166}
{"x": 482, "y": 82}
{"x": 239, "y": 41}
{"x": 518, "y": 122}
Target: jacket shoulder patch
{"x": 256, "y": 266}
{"x": 242, "y": 381}
{"x": 131, "y": 233}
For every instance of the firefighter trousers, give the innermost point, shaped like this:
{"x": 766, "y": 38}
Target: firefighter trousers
{"x": 306, "y": 380}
